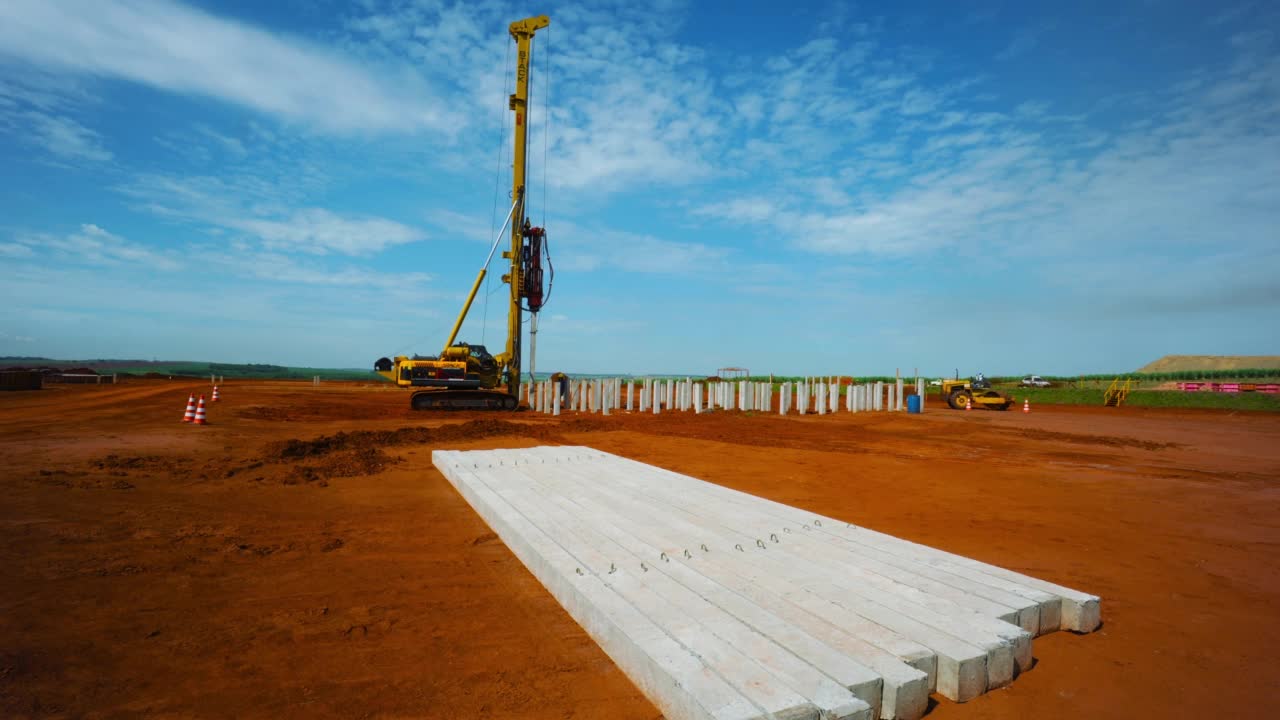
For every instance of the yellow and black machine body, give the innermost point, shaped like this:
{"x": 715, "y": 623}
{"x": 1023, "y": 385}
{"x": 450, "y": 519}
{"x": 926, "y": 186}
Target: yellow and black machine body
{"x": 959, "y": 393}
{"x": 466, "y": 376}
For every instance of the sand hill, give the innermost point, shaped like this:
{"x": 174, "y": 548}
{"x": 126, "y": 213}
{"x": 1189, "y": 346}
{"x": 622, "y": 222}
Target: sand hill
{"x": 1177, "y": 363}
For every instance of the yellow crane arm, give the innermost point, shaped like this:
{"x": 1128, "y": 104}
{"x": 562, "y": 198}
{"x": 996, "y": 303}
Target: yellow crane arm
{"x": 466, "y": 307}
{"x": 522, "y": 32}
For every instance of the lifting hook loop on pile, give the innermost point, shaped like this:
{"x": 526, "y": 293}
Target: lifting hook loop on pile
{"x": 704, "y": 548}
{"x": 739, "y": 546}
{"x": 664, "y": 557}
{"x": 818, "y": 523}
{"x": 644, "y": 567}
{"x": 612, "y": 568}
{"x": 760, "y": 543}
{"x": 578, "y": 570}
{"x": 687, "y": 554}
{"x": 773, "y": 537}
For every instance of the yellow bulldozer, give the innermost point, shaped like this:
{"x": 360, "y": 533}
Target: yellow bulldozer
{"x": 467, "y": 376}
{"x": 977, "y": 391}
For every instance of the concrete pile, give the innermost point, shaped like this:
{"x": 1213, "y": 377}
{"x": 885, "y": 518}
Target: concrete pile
{"x": 656, "y": 395}
{"x": 719, "y": 604}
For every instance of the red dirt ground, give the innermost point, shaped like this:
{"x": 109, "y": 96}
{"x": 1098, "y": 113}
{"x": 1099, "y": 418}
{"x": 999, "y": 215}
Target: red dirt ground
{"x": 253, "y": 568}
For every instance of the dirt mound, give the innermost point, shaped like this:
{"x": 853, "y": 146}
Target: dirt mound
{"x": 351, "y": 463}
{"x": 1179, "y": 363}
{"x": 291, "y": 450}
{"x": 352, "y": 454}
{"x": 1107, "y": 440}
{"x": 309, "y": 413}
{"x": 137, "y": 462}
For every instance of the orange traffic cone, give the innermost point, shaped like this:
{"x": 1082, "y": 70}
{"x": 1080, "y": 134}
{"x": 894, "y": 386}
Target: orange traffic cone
{"x": 1026, "y": 405}
{"x": 190, "y": 414}
{"x": 215, "y": 394}
{"x": 200, "y": 412}
{"x": 968, "y": 403}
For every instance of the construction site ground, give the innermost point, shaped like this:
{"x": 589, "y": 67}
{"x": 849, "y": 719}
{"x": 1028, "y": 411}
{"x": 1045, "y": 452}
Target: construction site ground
{"x": 266, "y": 565}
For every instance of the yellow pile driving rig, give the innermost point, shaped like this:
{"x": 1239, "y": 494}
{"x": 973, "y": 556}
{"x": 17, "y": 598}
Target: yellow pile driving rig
{"x": 466, "y": 376}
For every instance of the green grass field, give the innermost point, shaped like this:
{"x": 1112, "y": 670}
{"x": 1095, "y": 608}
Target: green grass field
{"x": 1149, "y": 398}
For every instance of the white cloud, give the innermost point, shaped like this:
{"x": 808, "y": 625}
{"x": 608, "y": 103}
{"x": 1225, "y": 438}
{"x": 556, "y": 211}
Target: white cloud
{"x": 319, "y": 231}
{"x": 1024, "y": 41}
{"x": 253, "y": 207}
{"x": 66, "y": 138}
{"x": 38, "y": 109}
{"x": 919, "y": 102}
{"x": 16, "y": 250}
{"x": 455, "y": 224}
{"x": 174, "y": 47}
{"x": 629, "y": 107}
{"x": 281, "y": 268}
{"x": 592, "y": 248}
{"x": 92, "y": 245}
{"x": 1199, "y": 175}
{"x": 231, "y": 145}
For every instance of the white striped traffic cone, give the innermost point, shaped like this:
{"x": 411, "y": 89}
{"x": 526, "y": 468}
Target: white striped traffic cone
{"x": 200, "y": 412}
{"x": 215, "y": 394}
{"x": 968, "y": 403}
{"x": 190, "y": 414}
{"x": 1026, "y": 405}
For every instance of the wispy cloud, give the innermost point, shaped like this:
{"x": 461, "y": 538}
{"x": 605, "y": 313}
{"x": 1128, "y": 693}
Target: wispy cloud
{"x": 178, "y": 48}
{"x": 316, "y": 230}
{"x": 1231, "y": 14}
{"x": 16, "y": 250}
{"x": 1023, "y": 42}
{"x": 65, "y": 138}
{"x": 40, "y": 110}
{"x": 276, "y": 267}
{"x": 592, "y": 248}
{"x": 92, "y": 245}
{"x": 1029, "y": 185}
{"x": 234, "y": 207}
{"x": 624, "y": 114}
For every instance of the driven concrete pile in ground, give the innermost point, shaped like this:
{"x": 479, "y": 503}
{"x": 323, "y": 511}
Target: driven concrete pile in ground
{"x": 719, "y": 604}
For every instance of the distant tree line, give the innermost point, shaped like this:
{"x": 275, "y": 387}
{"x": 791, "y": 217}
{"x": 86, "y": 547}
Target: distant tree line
{"x": 1181, "y": 375}
{"x": 248, "y": 370}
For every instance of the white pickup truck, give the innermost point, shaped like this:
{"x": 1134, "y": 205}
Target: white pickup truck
{"x": 1035, "y": 381}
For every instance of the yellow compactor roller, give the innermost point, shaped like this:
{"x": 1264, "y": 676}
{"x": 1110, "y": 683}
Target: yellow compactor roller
{"x": 959, "y": 393}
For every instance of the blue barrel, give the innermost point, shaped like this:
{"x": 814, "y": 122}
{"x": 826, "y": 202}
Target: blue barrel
{"x": 913, "y": 403}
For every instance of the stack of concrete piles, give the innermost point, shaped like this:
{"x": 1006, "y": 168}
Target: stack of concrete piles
{"x": 719, "y": 604}
{"x": 812, "y": 395}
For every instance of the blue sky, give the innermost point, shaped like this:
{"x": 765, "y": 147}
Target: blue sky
{"x": 1010, "y": 187}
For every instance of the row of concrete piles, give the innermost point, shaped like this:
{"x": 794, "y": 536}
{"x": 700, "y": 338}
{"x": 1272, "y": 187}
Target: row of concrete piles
{"x": 819, "y": 395}
{"x": 721, "y": 605}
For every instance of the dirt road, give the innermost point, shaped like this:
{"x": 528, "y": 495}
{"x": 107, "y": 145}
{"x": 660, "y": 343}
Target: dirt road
{"x": 300, "y": 557}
